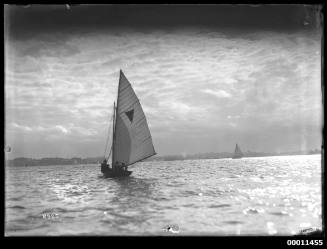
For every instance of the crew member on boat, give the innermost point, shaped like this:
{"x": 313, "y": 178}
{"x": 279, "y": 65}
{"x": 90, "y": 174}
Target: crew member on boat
{"x": 121, "y": 166}
{"x": 104, "y": 166}
{"x": 124, "y": 166}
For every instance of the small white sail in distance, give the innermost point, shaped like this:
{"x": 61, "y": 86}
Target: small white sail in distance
{"x": 237, "y": 153}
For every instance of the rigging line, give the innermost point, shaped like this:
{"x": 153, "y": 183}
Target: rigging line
{"x": 108, "y": 134}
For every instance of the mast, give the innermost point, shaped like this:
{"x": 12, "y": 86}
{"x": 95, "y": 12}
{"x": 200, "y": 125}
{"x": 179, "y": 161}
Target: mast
{"x": 115, "y": 123}
{"x": 113, "y": 137}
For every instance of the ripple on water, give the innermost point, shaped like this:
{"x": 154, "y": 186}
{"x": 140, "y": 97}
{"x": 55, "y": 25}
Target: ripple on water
{"x": 233, "y": 222}
{"x": 253, "y": 211}
{"x": 19, "y": 198}
{"x": 55, "y": 210}
{"x": 235, "y": 176}
{"x": 187, "y": 193}
{"x": 280, "y": 213}
{"x": 219, "y": 205}
{"x": 160, "y": 199}
{"x": 17, "y": 207}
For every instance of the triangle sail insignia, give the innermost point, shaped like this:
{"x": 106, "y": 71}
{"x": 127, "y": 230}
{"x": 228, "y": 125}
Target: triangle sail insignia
{"x": 130, "y": 115}
{"x": 132, "y": 139}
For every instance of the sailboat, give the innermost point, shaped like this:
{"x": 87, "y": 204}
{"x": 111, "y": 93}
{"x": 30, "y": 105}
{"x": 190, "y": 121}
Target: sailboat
{"x": 131, "y": 137}
{"x": 237, "y": 153}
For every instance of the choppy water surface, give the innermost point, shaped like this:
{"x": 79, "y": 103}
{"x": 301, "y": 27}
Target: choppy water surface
{"x": 249, "y": 196}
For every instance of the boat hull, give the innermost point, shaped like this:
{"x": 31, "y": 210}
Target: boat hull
{"x": 117, "y": 173}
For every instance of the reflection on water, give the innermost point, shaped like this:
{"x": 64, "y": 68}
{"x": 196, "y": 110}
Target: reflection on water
{"x": 131, "y": 203}
{"x": 266, "y": 196}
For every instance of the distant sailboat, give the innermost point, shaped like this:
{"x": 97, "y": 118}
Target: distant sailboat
{"x": 131, "y": 140}
{"x": 237, "y": 153}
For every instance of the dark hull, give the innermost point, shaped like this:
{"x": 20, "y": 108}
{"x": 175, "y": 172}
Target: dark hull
{"x": 116, "y": 173}
{"x": 236, "y": 157}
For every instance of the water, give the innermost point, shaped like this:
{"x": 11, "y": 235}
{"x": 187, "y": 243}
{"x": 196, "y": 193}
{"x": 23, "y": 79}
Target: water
{"x": 249, "y": 196}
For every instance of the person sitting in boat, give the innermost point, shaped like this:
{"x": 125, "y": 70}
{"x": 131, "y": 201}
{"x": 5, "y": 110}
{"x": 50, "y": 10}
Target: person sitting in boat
{"x": 104, "y": 166}
{"x": 121, "y": 166}
{"x": 117, "y": 165}
{"x": 124, "y": 166}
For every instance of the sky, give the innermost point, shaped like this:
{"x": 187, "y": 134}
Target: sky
{"x": 207, "y": 77}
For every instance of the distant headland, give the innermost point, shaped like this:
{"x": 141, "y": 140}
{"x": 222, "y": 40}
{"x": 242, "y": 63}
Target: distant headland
{"x": 23, "y": 161}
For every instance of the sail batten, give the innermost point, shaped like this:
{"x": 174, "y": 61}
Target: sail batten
{"x": 130, "y": 106}
{"x": 133, "y": 141}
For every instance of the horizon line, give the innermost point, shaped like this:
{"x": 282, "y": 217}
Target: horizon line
{"x": 167, "y": 155}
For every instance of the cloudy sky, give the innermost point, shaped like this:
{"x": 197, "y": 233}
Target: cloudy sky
{"x": 207, "y": 77}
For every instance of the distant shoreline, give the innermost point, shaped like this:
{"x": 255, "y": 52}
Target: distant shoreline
{"x": 24, "y": 162}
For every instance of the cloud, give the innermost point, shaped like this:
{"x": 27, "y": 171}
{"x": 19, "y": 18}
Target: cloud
{"x": 197, "y": 83}
{"x": 62, "y": 129}
{"x": 22, "y": 127}
{"x": 218, "y": 93}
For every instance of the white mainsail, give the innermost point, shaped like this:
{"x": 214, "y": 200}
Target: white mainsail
{"x": 132, "y": 140}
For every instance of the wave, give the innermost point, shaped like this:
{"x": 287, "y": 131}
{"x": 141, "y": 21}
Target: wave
{"x": 16, "y": 198}
{"x": 280, "y": 213}
{"x": 219, "y": 206}
{"x": 17, "y": 207}
{"x": 55, "y": 210}
{"x": 77, "y": 210}
{"x": 253, "y": 211}
{"x": 234, "y": 222}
